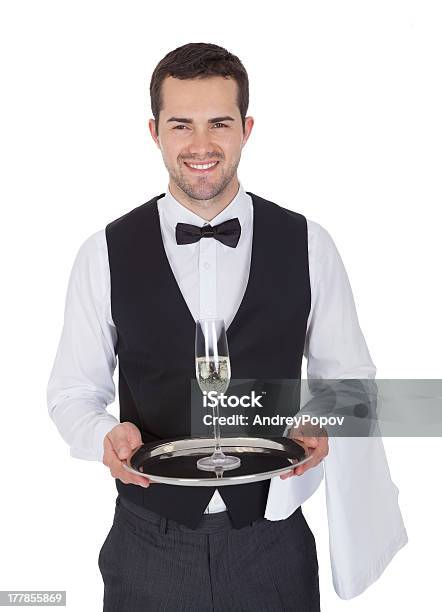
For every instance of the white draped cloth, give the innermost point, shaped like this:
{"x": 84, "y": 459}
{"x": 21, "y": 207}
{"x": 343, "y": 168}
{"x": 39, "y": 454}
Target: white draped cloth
{"x": 365, "y": 523}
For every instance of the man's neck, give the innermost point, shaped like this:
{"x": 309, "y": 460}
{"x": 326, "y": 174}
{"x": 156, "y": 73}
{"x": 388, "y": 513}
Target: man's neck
{"x": 206, "y": 209}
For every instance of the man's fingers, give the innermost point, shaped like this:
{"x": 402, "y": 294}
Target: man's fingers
{"x": 124, "y": 438}
{"x": 112, "y": 460}
{"x": 129, "y": 478}
{"x": 126, "y": 477}
{"x": 109, "y": 452}
{"x": 120, "y": 442}
{"x": 133, "y": 434}
{"x": 310, "y": 442}
{"x": 317, "y": 452}
{"x": 289, "y": 475}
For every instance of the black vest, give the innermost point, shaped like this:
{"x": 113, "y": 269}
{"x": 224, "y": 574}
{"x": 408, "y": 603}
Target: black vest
{"x": 156, "y": 340}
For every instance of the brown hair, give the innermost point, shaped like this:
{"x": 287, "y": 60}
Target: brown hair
{"x": 199, "y": 60}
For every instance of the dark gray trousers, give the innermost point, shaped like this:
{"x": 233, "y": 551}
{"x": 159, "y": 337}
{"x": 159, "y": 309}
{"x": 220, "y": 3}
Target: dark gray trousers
{"x": 151, "y": 564}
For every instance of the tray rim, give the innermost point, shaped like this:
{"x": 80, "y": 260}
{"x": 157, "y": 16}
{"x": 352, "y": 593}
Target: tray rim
{"x": 214, "y": 482}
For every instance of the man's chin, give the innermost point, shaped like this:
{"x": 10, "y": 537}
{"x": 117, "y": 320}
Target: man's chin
{"x": 202, "y": 192}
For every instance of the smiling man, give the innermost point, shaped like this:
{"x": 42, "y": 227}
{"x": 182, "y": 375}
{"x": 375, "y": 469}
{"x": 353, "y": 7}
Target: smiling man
{"x": 204, "y": 248}
{"x": 201, "y": 143}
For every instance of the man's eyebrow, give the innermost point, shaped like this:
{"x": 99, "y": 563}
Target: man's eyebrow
{"x": 225, "y": 118}
{"x": 214, "y": 120}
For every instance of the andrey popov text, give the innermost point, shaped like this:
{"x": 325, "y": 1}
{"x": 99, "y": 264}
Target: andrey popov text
{"x": 276, "y": 419}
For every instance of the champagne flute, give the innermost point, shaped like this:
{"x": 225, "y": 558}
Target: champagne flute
{"x": 213, "y": 374}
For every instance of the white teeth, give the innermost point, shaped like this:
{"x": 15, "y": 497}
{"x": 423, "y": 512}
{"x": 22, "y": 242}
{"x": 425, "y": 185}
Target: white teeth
{"x": 202, "y": 166}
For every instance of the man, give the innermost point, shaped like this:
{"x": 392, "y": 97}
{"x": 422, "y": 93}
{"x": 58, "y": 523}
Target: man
{"x": 135, "y": 291}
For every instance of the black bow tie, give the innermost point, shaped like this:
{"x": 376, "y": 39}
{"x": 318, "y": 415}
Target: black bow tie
{"x": 228, "y": 232}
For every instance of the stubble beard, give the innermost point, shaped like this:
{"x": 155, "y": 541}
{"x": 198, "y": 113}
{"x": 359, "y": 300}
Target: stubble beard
{"x": 204, "y": 188}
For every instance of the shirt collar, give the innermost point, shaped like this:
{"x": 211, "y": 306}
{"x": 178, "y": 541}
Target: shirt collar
{"x": 173, "y": 212}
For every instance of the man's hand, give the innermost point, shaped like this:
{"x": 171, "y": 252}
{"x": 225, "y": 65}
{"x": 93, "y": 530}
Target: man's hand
{"x": 118, "y": 444}
{"x": 316, "y": 446}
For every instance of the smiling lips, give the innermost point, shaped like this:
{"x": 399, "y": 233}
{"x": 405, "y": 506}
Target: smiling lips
{"x": 200, "y": 167}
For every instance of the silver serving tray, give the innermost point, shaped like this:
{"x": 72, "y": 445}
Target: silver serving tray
{"x": 174, "y": 461}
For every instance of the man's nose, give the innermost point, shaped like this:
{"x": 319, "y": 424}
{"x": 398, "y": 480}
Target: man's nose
{"x": 200, "y": 143}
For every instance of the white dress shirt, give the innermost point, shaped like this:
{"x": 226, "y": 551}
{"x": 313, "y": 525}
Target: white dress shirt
{"x": 212, "y": 278}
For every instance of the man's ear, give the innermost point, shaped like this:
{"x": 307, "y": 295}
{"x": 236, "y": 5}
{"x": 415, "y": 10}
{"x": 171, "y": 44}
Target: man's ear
{"x": 248, "y": 125}
{"x": 153, "y": 132}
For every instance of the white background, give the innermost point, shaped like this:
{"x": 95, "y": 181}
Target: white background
{"x": 347, "y": 102}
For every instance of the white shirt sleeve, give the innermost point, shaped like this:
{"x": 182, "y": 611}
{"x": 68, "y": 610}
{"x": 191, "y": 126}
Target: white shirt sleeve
{"x": 81, "y": 382}
{"x": 334, "y": 346}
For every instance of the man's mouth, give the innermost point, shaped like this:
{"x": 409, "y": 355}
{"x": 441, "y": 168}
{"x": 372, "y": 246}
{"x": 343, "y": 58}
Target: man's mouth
{"x": 202, "y": 168}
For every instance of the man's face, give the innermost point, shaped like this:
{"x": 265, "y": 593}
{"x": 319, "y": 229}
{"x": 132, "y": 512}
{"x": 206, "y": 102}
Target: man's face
{"x": 200, "y": 122}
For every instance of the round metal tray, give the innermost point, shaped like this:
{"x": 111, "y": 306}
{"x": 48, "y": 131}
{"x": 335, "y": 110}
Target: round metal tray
{"x": 174, "y": 461}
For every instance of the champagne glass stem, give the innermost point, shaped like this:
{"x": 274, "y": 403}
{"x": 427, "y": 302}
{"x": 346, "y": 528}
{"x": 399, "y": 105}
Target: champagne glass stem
{"x": 216, "y": 430}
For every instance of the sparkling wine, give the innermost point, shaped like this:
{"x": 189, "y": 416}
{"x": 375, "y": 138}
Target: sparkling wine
{"x": 212, "y": 366}
{"x": 213, "y": 373}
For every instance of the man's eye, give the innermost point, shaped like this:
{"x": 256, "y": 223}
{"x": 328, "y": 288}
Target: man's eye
{"x": 178, "y": 127}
